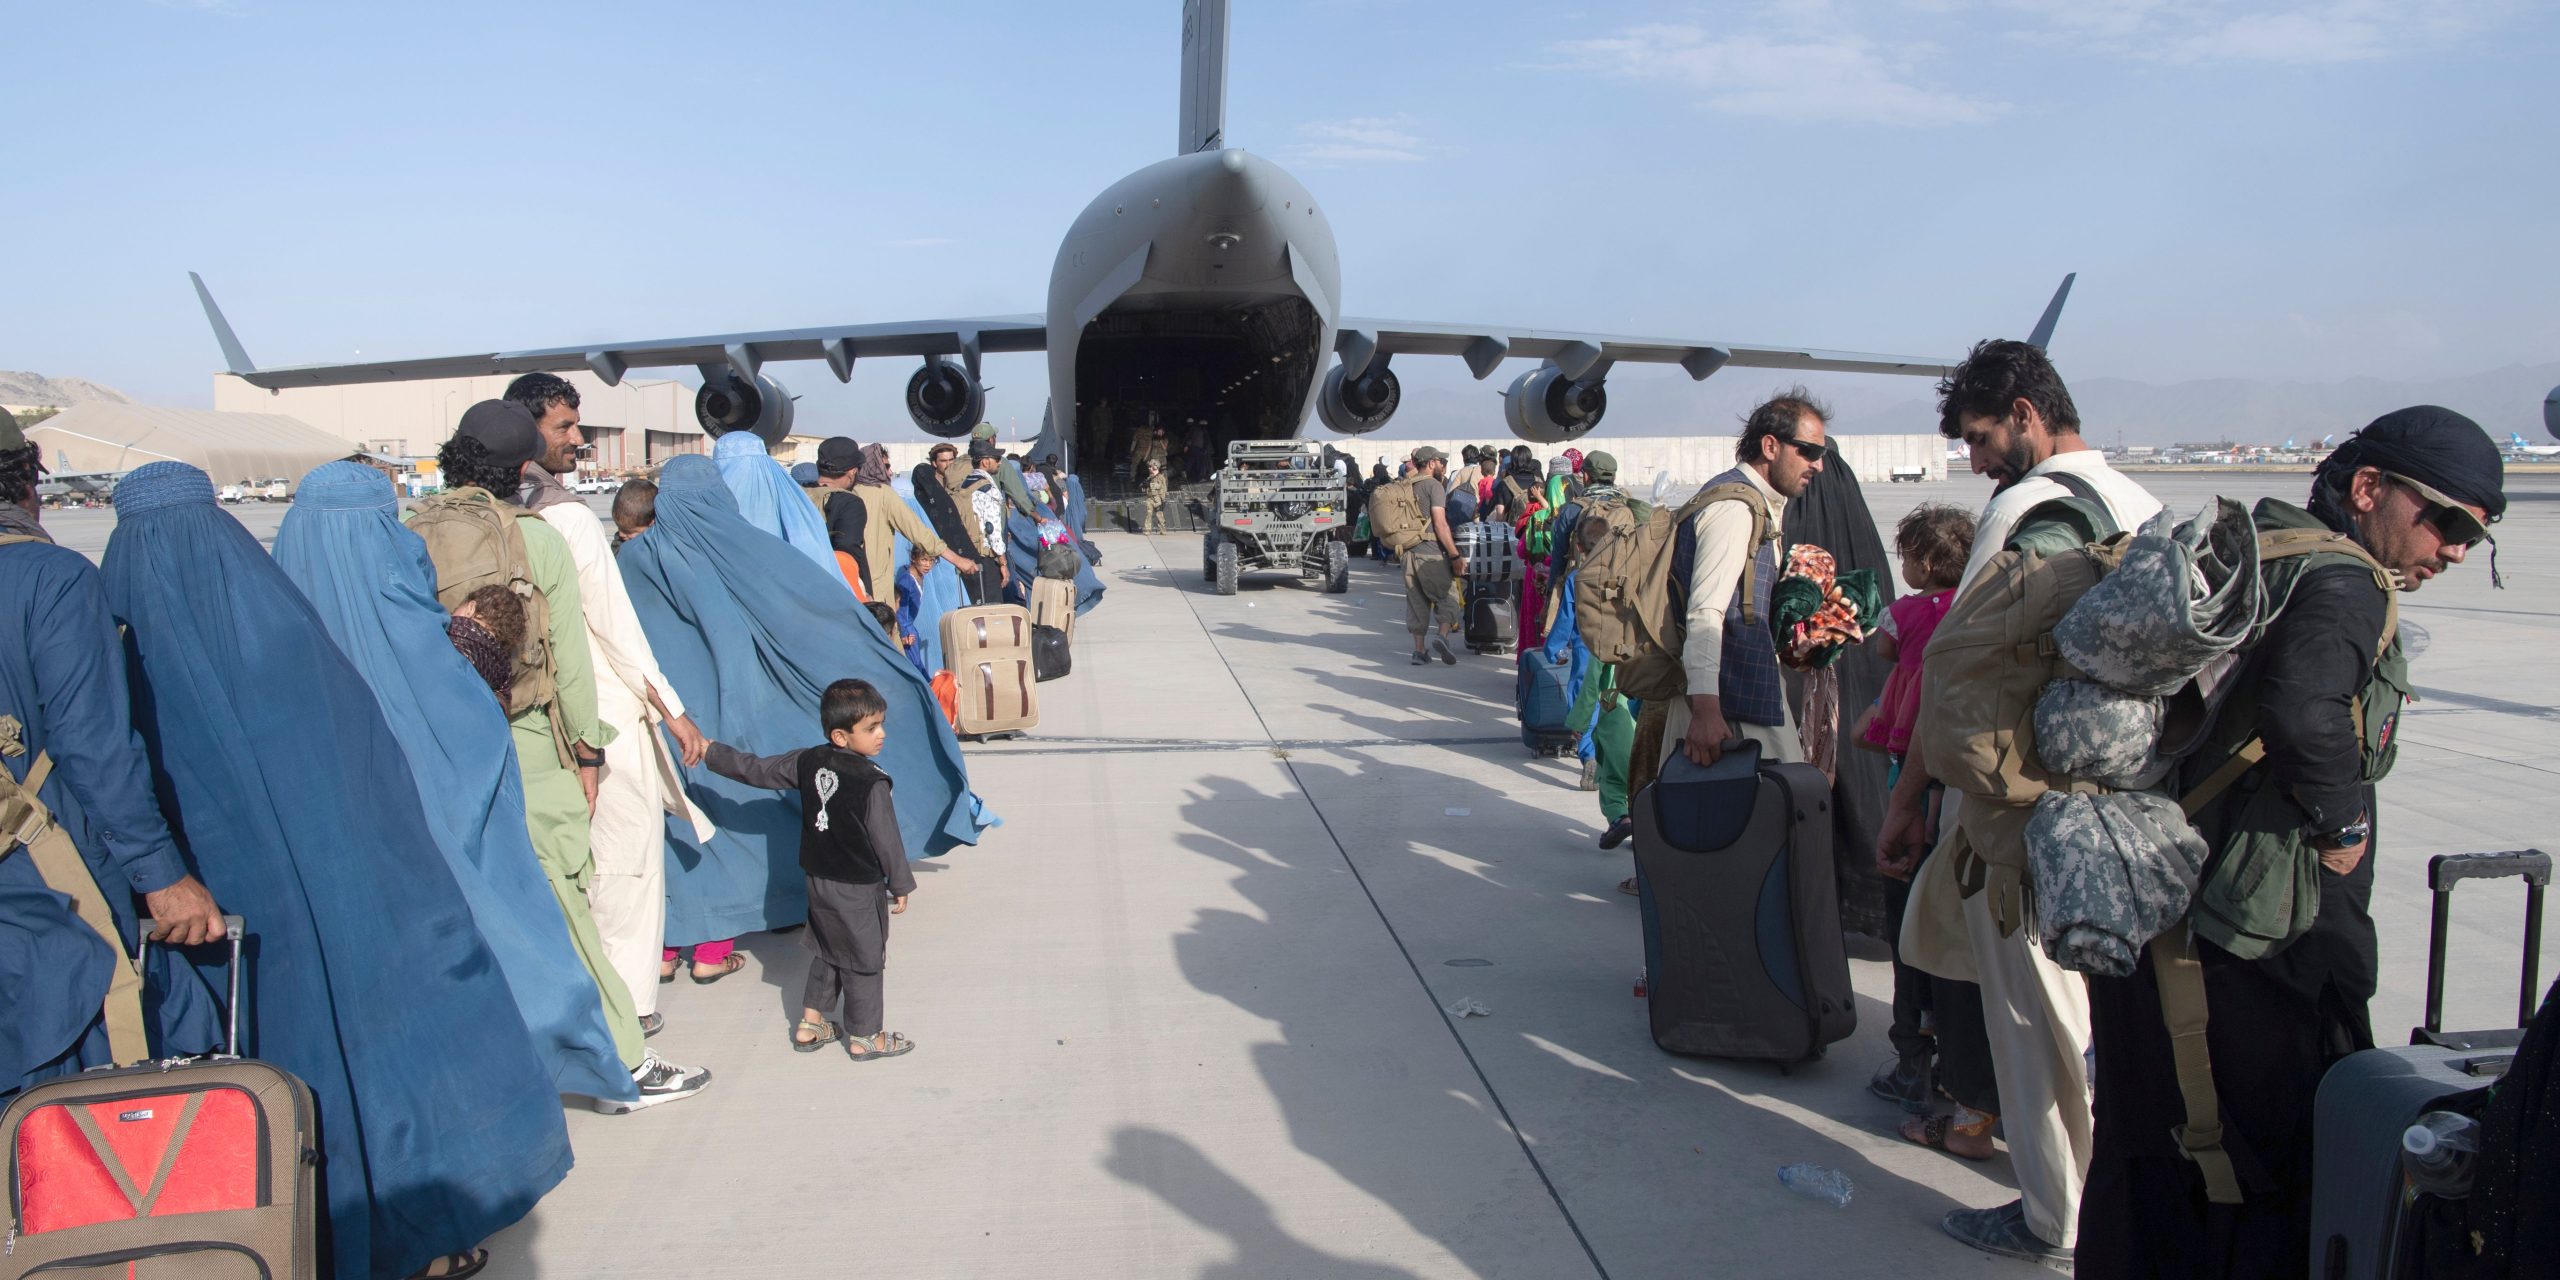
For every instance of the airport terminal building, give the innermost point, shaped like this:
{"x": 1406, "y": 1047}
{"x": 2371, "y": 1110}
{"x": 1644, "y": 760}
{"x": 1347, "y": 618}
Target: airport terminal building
{"x": 635, "y": 426}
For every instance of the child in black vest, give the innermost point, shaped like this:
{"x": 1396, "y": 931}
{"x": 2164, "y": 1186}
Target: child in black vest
{"x": 855, "y": 862}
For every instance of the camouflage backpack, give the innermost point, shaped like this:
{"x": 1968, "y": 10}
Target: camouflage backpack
{"x": 1623, "y": 556}
{"x": 473, "y": 541}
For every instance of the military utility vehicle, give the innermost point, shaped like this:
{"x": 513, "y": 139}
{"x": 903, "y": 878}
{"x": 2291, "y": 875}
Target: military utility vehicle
{"x": 1277, "y": 507}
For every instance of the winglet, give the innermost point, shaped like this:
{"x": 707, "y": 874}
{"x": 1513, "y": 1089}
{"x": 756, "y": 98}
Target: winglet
{"x": 2043, "y": 335}
{"x": 232, "y": 355}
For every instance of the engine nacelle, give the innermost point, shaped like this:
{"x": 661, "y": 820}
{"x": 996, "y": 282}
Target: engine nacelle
{"x": 2551, "y": 413}
{"x": 1358, "y": 406}
{"x": 944, "y": 400}
{"x": 1546, "y": 407}
{"x": 726, "y": 404}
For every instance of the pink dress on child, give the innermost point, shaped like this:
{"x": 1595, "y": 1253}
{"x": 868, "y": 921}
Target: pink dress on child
{"x": 1913, "y": 619}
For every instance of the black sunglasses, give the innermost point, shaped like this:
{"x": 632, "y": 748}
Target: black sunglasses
{"x": 1806, "y": 450}
{"x": 2453, "y": 523}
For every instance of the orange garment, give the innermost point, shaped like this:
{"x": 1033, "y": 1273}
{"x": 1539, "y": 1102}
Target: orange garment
{"x": 852, "y": 576}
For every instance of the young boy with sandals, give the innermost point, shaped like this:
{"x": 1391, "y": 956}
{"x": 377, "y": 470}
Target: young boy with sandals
{"x": 854, "y": 860}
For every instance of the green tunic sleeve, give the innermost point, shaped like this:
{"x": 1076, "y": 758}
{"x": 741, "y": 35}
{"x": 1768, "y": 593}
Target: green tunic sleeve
{"x": 546, "y": 554}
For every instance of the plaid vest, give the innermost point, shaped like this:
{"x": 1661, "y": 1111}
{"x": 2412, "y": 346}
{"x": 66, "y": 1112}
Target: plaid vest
{"x": 1748, "y": 683}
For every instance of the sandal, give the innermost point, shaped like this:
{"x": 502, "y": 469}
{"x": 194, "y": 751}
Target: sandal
{"x": 1933, "y": 1132}
{"x": 1628, "y": 887}
{"x": 667, "y": 971}
{"x": 453, "y": 1266}
{"x": 729, "y": 966}
{"x": 882, "y": 1044}
{"x": 827, "y": 1034}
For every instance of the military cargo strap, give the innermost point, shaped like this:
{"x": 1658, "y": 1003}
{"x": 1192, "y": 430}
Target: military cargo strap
{"x": 25, "y": 820}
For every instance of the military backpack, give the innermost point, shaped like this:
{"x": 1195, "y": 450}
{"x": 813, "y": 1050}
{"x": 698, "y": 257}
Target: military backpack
{"x": 473, "y": 541}
{"x": 1624, "y": 557}
{"x": 1396, "y": 517}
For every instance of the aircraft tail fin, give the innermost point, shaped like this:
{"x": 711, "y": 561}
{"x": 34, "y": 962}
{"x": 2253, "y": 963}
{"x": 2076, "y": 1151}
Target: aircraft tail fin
{"x": 1204, "y": 76}
{"x": 2042, "y": 337}
{"x": 232, "y": 353}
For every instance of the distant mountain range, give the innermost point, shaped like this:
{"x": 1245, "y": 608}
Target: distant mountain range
{"x": 1647, "y": 402}
{"x": 35, "y": 389}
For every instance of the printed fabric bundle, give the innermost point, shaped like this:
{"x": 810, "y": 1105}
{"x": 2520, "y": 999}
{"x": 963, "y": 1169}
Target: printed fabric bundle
{"x": 1816, "y": 612}
{"x": 2111, "y": 872}
{"x": 2181, "y": 598}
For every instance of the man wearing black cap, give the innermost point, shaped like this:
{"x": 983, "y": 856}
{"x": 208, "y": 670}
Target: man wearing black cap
{"x": 2320, "y": 695}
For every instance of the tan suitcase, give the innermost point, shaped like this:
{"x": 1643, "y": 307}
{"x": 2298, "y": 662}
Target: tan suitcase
{"x": 1053, "y": 604}
{"x": 988, "y": 649}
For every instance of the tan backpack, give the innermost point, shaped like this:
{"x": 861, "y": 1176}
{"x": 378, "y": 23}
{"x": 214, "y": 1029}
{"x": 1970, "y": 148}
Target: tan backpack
{"x": 1623, "y": 551}
{"x": 1396, "y": 517}
{"x": 473, "y": 541}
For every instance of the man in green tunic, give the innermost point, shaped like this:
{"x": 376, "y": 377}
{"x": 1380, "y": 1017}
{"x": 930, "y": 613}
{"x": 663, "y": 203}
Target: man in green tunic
{"x": 552, "y": 707}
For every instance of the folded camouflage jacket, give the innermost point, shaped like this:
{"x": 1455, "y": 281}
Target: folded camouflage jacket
{"x": 2110, "y": 871}
{"x": 2182, "y": 597}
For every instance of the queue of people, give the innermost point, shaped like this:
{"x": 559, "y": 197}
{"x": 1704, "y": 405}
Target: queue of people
{"x": 1993, "y": 1038}
{"x": 437, "y": 764}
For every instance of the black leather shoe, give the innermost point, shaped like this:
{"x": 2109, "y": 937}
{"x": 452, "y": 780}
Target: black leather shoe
{"x": 1618, "y": 832}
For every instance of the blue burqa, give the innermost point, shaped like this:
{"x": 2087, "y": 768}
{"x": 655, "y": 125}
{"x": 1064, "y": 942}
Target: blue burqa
{"x": 769, "y": 500}
{"x": 368, "y": 578}
{"x": 293, "y": 803}
{"x": 750, "y": 633}
{"x": 1022, "y": 549}
{"x": 942, "y": 592}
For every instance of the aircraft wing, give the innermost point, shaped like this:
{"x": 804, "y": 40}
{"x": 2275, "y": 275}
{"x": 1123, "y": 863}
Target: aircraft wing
{"x": 838, "y": 345}
{"x": 1483, "y": 347}
{"x": 1578, "y": 354}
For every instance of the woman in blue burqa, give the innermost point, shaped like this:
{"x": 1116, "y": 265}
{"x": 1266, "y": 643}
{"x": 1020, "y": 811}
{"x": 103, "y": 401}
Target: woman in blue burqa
{"x": 368, "y": 578}
{"x": 292, "y": 801}
{"x": 751, "y": 631}
{"x": 769, "y": 499}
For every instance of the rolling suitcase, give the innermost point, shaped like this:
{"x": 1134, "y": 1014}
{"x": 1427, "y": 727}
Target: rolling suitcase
{"x": 1050, "y": 658}
{"x": 1542, "y": 700}
{"x": 2361, "y": 1202}
{"x": 1742, "y": 947}
{"x": 1053, "y": 604}
{"x": 1491, "y": 625}
{"x": 172, "y": 1170}
{"x": 988, "y": 648}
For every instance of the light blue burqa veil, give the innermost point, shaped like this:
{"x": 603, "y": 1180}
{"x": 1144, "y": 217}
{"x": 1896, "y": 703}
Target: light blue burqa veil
{"x": 368, "y": 578}
{"x": 750, "y": 633}
{"x": 942, "y": 592}
{"x": 771, "y": 501}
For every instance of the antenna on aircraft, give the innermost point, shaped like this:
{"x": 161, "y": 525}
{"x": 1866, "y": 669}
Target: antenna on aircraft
{"x": 1204, "y": 76}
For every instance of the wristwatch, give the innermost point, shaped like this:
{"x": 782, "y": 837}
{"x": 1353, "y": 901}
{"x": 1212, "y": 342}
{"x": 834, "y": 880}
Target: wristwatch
{"x": 595, "y": 761}
{"x": 2348, "y": 836}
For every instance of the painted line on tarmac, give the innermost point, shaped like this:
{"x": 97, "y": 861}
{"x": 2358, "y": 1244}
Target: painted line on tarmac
{"x": 1087, "y": 746}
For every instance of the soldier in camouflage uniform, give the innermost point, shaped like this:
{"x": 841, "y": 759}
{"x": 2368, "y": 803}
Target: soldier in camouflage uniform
{"x": 1155, "y": 496}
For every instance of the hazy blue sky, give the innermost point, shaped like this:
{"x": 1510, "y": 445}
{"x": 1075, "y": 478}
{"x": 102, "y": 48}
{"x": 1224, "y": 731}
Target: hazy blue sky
{"x": 2289, "y": 189}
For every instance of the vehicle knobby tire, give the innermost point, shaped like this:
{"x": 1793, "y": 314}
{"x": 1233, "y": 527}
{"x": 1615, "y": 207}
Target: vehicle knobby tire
{"x": 1225, "y": 569}
{"x": 1337, "y": 572}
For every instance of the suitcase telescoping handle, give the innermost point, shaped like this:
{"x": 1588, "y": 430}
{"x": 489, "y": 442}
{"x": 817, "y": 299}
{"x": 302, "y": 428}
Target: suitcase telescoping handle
{"x": 2446, "y": 870}
{"x": 231, "y": 930}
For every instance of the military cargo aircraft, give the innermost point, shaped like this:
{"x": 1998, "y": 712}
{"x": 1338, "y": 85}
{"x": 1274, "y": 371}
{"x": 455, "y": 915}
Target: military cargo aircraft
{"x": 1201, "y": 288}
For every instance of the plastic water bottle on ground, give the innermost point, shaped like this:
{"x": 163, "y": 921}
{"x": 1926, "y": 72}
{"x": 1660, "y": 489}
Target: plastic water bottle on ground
{"x": 1829, "y": 1186}
{"x": 2438, "y": 1150}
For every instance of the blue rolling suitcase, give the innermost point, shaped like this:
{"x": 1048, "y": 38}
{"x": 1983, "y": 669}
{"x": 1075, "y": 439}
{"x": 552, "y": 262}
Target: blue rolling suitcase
{"x": 2363, "y": 1209}
{"x": 1541, "y": 701}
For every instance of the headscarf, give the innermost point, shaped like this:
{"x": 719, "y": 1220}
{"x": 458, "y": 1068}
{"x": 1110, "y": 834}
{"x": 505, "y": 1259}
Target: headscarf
{"x": 368, "y": 578}
{"x": 1573, "y": 461}
{"x": 743, "y": 630}
{"x": 437, "y": 1123}
{"x": 875, "y": 465}
{"x": 768, "y": 500}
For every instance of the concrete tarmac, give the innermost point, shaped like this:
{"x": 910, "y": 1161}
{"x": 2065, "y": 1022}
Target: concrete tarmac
{"x": 1183, "y": 1014}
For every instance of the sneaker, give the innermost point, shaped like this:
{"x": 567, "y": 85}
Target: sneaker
{"x": 1618, "y": 832}
{"x": 651, "y": 1024}
{"x": 2003, "y": 1231}
{"x": 1440, "y": 648}
{"x": 1418, "y": 659}
{"x": 1903, "y": 1082}
{"x": 658, "y": 1081}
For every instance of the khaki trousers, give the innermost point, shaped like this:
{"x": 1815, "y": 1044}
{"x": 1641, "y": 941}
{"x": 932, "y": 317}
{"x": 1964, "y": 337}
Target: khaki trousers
{"x": 628, "y": 891}
{"x": 1430, "y": 591}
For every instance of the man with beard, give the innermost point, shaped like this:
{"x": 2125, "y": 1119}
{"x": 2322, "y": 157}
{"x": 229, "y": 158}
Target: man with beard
{"x": 2009, "y": 406}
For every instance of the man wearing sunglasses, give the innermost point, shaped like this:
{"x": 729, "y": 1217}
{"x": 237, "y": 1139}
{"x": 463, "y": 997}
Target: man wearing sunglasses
{"x": 1735, "y": 690}
{"x": 2418, "y": 490}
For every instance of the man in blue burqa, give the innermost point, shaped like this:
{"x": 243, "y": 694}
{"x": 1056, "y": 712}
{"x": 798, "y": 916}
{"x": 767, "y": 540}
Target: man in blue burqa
{"x": 368, "y": 979}
{"x": 751, "y": 631}
{"x": 63, "y": 709}
{"x": 369, "y": 579}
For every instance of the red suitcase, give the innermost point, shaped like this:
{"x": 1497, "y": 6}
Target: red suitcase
{"x": 182, "y": 1169}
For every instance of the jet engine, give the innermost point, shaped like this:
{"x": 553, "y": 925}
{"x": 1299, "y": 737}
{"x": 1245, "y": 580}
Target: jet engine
{"x": 726, "y": 404}
{"x": 1546, "y": 407}
{"x": 2551, "y": 413}
{"x": 1358, "y": 406}
{"x": 944, "y": 400}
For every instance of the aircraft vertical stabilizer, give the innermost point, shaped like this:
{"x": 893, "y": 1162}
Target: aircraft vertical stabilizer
{"x": 1204, "y": 76}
